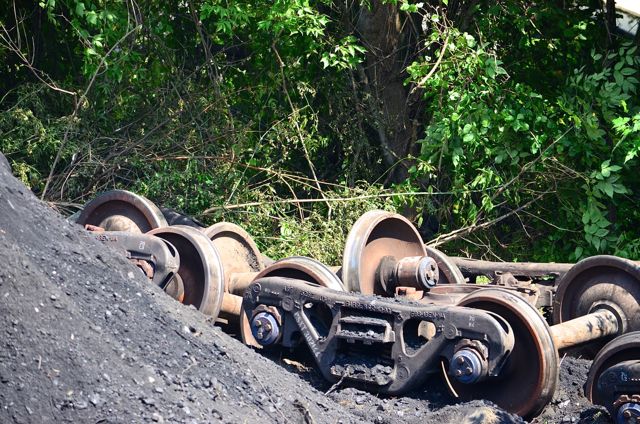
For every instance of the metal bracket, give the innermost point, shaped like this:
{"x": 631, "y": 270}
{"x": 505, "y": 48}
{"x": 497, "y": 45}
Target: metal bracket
{"x": 160, "y": 254}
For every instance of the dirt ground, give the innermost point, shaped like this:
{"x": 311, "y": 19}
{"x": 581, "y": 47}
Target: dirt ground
{"x": 86, "y": 339}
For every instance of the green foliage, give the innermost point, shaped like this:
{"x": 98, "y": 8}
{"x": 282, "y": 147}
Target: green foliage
{"x": 505, "y": 120}
{"x": 31, "y": 136}
{"x": 194, "y": 104}
{"x": 527, "y": 132}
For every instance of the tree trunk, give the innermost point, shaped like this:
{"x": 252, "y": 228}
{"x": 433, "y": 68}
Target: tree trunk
{"x": 382, "y": 31}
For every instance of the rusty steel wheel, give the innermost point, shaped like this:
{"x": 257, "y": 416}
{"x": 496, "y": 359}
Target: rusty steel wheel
{"x": 375, "y": 235}
{"x": 600, "y": 282}
{"x": 300, "y": 268}
{"x": 529, "y": 376}
{"x": 200, "y": 269}
{"x": 617, "y": 351}
{"x": 237, "y": 250}
{"x": 449, "y": 272}
{"x": 121, "y": 210}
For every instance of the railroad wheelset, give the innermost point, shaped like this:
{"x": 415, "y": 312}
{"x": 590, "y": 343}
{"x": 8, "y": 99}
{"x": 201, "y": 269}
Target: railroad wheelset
{"x": 201, "y": 273}
{"x": 601, "y": 283}
{"x": 233, "y": 262}
{"x": 529, "y": 377}
{"x": 220, "y": 263}
{"x": 384, "y": 251}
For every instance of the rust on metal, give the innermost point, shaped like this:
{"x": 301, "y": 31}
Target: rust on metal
{"x": 451, "y": 294}
{"x": 417, "y": 271}
{"x": 239, "y": 256}
{"x": 300, "y": 268}
{"x": 175, "y": 288}
{"x": 410, "y": 293}
{"x": 303, "y": 268}
{"x": 121, "y": 210}
{"x": 231, "y": 304}
{"x": 374, "y": 236}
{"x": 448, "y": 270}
{"x": 200, "y": 269}
{"x": 93, "y": 228}
{"x": 622, "y": 356}
{"x": 145, "y": 266}
{"x": 530, "y": 375}
{"x": 600, "y": 282}
{"x": 237, "y": 250}
{"x": 587, "y": 328}
{"x": 471, "y": 267}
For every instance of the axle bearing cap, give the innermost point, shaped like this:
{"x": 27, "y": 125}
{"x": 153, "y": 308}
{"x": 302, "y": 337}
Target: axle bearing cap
{"x": 467, "y": 366}
{"x": 428, "y": 272}
{"x": 448, "y": 272}
{"x": 265, "y": 328}
{"x": 628, "y": 413}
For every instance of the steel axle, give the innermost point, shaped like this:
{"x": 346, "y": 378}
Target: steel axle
{"x": 587, "y": 328}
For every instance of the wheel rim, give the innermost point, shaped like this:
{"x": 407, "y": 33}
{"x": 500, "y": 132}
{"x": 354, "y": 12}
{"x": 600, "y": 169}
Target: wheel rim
{"x": 523, "y": 387}
{"x": 237, "y": 250}
{"x": 121, "y": 210}
{"x": 200, "y": 267}
{"x": 299, "y": 268}
{"x": 600, "y": 281}
{"x": 377, "y": 234}
{"x": 449, "y": 272}
{"x": 620, "y": 349}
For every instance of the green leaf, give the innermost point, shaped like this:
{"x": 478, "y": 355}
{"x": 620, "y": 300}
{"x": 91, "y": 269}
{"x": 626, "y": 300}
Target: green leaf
{"x": 92, "y": 17}
{"x": 618, "y": 77}
{"x": 79, "y": 8}
{"x": 586, "y": 216}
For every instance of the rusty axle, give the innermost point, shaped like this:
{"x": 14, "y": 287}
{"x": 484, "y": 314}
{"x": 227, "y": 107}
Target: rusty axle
{"x": 470, "y": 267}
{"x": 586, "y": 328}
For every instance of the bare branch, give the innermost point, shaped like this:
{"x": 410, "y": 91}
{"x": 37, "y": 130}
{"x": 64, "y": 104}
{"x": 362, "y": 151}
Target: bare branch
{"x": 77, "y": 108}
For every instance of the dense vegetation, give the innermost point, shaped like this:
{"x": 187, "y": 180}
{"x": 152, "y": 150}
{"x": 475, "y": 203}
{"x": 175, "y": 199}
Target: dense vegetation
{"x": 503, "y": 129}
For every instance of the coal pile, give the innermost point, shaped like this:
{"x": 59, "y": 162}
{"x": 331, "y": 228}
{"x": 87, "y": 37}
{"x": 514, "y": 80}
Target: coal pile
{"x": 87, "y": 339}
